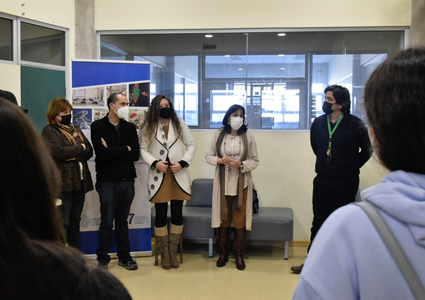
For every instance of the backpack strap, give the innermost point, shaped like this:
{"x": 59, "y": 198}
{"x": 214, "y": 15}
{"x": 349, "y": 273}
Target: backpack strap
{"x": 395, "y": 249}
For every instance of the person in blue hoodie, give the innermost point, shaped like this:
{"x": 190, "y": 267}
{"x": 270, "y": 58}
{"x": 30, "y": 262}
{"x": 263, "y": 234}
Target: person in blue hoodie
{"x": 348, "y": 259}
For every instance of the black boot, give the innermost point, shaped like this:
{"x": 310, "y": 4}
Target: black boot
{"x": 239, "y": 245}
{"x": 223, "y": 243}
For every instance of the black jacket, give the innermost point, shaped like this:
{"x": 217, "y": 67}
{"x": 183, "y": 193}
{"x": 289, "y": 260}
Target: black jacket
{"x": 350, "y": 136}
{"x": 62, "y": 151}
{"x": 115, "y": 162}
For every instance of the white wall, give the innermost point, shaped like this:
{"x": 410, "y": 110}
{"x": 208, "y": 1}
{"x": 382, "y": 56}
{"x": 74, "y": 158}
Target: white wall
{"x": 202, "y": 14}
{"x": 59, "y": 13}
{"x": 53, "y": 12}
{"x": 285, "y": 175}
{"x": 10, "y": 79}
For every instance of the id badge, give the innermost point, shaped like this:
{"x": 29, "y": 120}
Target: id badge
{"x": 328, "y": 156}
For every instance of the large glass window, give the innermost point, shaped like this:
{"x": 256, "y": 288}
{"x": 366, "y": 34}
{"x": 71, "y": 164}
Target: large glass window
{"x": 348, "y": 70}
{"x": 177, "y": 78}
{"x": 42, "y": 45}
{"x": 6, "y": 39}
{"x": 112, "y": 52}
{"x": 278, "y": 77}
{"x": 255, "y": 66}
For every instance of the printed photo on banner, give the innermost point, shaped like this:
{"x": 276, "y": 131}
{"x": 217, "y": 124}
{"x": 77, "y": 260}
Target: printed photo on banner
{"x": 82, "y": 117}
{"x": 139, "y": 94}
{"x": 99, "y": 114}
{"x": 89, "y": 96}
{"x": 137, "y": 116}
{"x": 119, "y": 88}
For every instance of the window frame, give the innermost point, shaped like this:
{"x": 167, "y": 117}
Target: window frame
{"x": 14, "y": 60}
{"x": 37, "y": 64}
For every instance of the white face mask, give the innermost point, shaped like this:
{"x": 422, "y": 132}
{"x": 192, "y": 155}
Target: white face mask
{"x": 122, "y": 112}
{"x": 236, "y": 123}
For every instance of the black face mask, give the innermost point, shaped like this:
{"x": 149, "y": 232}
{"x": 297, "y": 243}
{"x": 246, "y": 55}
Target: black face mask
{"x": 166, "y": 112}
{"x": 327, "y": 108}
{"x": 66, "y": 120}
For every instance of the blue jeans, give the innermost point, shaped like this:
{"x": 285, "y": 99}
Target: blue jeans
{"x": 71, "y": 209}
{"x": 115, "y": 201}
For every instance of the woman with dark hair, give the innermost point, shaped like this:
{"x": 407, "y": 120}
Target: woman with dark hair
{"x": 164, "y": 138}
{"x": 233, "y": 152}
{"x": 70, "y": 150}
{"x": 35, "y": 263}
{"x": 349, "y": 259}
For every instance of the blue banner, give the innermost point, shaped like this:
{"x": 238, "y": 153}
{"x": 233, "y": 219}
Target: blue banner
{"x": 93, "y": 82}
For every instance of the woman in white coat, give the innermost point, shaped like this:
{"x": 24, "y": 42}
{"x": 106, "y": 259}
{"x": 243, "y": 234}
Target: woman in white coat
{"x": 163, "y": 139}
{"x": 233, "y": 152}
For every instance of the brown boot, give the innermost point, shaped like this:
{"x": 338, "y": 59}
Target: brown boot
{"x": 162, "y": 241}
{"x": 223, "y": 243}
{"x": 239, "y": 245}
{"x": 175, "y": 241}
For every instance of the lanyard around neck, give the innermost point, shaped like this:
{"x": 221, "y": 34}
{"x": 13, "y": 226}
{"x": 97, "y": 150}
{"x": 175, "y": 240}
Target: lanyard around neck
{"x": 333, "y": 130}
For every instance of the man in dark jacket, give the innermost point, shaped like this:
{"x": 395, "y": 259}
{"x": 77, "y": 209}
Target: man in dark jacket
{"x": 336, "y": 138}
{"x": 116, "y": 146}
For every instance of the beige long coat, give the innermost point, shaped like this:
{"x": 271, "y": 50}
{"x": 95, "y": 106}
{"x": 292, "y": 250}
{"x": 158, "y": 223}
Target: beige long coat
{"x": 248, "y": 165}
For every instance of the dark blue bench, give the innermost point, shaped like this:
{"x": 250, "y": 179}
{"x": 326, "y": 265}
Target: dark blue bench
{"x": 273, "y": 224}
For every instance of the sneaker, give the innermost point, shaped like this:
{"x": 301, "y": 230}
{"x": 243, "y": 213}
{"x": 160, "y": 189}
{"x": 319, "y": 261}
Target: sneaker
{"x": 129, "y": 264}
{"x": 102, "y": 264}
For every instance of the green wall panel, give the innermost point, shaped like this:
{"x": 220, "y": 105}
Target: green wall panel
{"x": 38, "y": 88}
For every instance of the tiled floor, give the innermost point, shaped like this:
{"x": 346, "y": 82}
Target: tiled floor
{"x": 266, "y": 277}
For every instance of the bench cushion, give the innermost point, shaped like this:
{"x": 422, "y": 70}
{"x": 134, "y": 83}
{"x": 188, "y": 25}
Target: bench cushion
{"x": 196, "y": 221}
{"x": 202, "y": 190}
{"x": 272, "y": 224}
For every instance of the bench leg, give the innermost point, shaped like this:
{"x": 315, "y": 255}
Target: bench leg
{"x": 286, "y": 250}
{"x": 210, "y": 247}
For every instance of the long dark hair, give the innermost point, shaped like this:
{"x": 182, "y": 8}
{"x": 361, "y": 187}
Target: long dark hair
{"x": 152, "y": 117}
{"x": 29, "y": 186}
{"x": 394, "y": 98}
{"x": 226, "y": 125}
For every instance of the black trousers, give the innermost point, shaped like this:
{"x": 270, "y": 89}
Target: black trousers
{"x": 71, "y": 208}
{"x": 115, "y": 201}
{"x": 329, "y": 195}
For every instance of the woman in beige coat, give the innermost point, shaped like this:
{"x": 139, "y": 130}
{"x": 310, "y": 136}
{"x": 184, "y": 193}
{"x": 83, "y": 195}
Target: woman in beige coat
{"x": 164, "y": 139}
{"x": 233, "y": 152}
